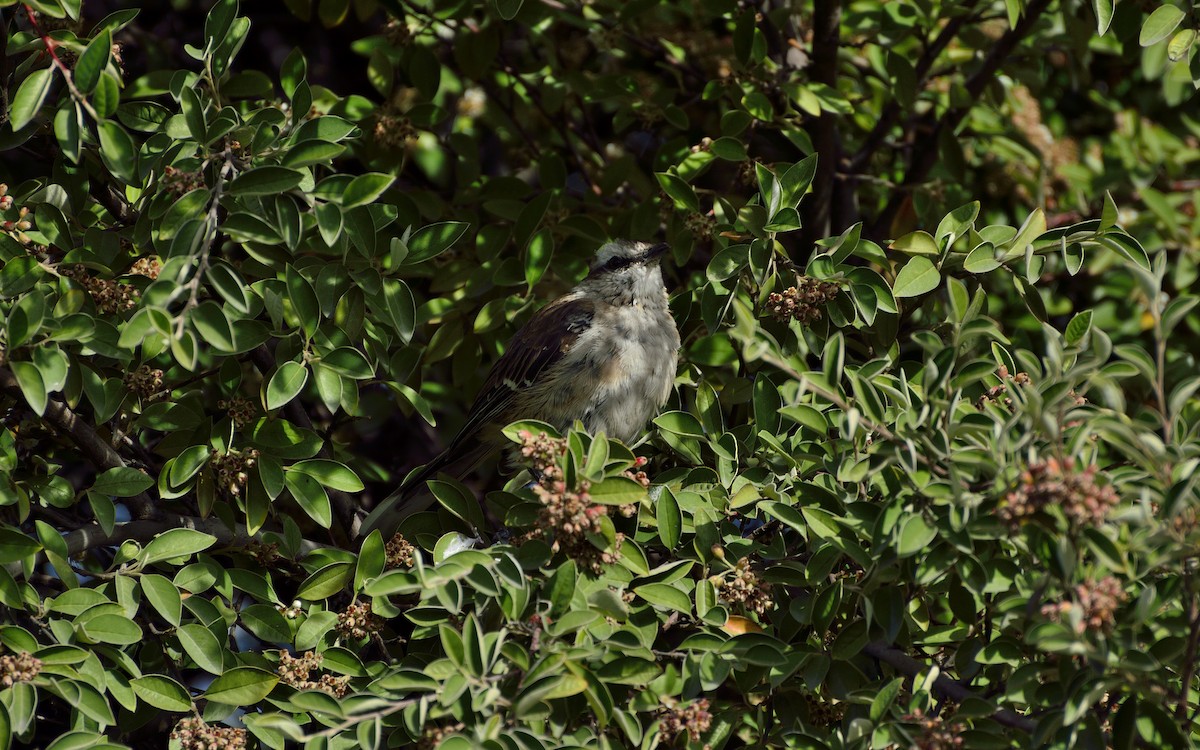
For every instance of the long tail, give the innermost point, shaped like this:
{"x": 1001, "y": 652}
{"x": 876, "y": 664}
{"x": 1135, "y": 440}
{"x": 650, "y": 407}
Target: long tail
{"x": 412, "y": 496}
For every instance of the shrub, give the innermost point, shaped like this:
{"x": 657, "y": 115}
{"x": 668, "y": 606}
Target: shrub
{"x": 928, "y": 479}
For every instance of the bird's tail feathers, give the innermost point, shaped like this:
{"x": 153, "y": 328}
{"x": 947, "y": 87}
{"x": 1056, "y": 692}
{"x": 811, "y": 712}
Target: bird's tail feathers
{"x": 412, "y": 496}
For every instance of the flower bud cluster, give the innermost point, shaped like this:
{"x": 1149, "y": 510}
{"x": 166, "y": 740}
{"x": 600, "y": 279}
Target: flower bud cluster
{"x": 264, "y": 553}
{"x": 568, "y": 515}
{"x": 297, "y": 671}
{"x": 433, "y": 735}
{"x": 111, "y": 297}
{"x": 149, "y": 267}
{"x": 194, "y": 734}
{"x": 1096, "y": 601}
{"x": 397, "y": 32}
{"x": 241, "y": 410}
{"x": 180, "y": 182}
{"x": 231, "y": 468}
{"x": 399, "y": 552}
{"x": 145, "y": 382}
{"x": 18, "y": 226}
{"x": 639, "y": 476}
{"x": 936, "y": 732}
{"x": 1052, "y": 483}
{"x": 700, "y": 225}
{"x": 22, "y": 667}
{"x": 357, "y": 621}
{"x": 743, "y": 587}
{"x": 394, "y": 130}
{"x": 996, "y": 392}
{"x": 694, "y": 719}
{"x": 802, "y": 303}
{"x": 822, "y": 712}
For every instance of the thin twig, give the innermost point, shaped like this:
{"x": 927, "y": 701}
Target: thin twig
{"x": 204, "y": 251}
{"x": 50, "y": 44}
{"x": 91, "y": 537}
{"x": 818, "y": 208}
{"x": 925, "y": 148}
{"x": 891, "y": 112}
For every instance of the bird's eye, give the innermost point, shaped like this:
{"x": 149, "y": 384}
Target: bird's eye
{"x": 616, "y": 262}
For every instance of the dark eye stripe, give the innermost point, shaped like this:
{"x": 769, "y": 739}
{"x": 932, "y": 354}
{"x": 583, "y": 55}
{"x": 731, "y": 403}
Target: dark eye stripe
{"x": 617, "y": 262}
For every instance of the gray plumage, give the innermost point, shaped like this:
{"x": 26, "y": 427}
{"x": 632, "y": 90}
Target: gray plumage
{"x": 604, "y": 354}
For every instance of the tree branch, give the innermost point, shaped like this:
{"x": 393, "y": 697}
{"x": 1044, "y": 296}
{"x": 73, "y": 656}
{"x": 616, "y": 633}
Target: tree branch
{"x": 891, "y": 112}
{"x": 925, "y": 148}
{"x": 952, "y": 689}
{"x": 102, "y": 455}
{"x": 827, "y": 19}
{"x": 91, "y": 537}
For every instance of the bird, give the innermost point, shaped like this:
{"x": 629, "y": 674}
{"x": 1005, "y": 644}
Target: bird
{"x": 603, "y": 354}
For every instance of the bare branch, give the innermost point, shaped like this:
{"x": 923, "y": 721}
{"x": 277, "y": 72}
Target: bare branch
{"x": 99, "y": 452}
{"x": 943, "y": 685}
{"x": 818, "y": 207}
{"x": 925, "y": 148}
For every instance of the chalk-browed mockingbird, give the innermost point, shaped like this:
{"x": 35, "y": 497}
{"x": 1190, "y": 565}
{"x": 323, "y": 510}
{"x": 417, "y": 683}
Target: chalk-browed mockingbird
{"x": 604, "y": 354}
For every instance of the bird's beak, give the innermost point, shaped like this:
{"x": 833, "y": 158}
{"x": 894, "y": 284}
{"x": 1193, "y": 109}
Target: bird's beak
{"x": 657, "y": 251}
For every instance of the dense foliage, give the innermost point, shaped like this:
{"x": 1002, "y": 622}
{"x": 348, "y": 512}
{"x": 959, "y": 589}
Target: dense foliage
{"x": 928, "y": 479}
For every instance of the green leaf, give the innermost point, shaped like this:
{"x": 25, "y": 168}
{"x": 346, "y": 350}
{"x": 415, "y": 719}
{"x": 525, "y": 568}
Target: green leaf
{"x": 93, "y": 61}
{"x": 508, "y": 9}
{"x": 32, "y": 387}
{"x": 162, "y": 693}
{"x": 213, "y": 326}
{"x": 111, "y": 628}
{"x": 669, "y": 518}
{"x": 326, "y": 582}
{"x": 617, "y": 491}
{"x": 679, "y": 191}
{"x": 202, "y": 646}
{"x": 329, "y": 473}
{"x": 1159, "y": 25}
{"x": 433, "y": 240}
{"x": 917, "y": 243}
{"x": 1079, "y": 327}
{"x": 15, "y": 546}
{"x": 107, "y": 96}
{"x": 286, "y": 384}
{"x": 122, "y": 481}
{"x": 1181, "y": 44}
{"x": 365, "y": 188}
{"x": 665, "y": 595}
{"x": 401, "y": 308}
{"x": 795, "y": 181}
{"x": 918, "y": 276}
{"x": 915, "y": 536}
{"x": 311, "y": 496}
{"x": 118, "y": 151}
{"x": 313, "y": 152}
{"x": 241, "y": 686}
{"x": 164, "y": 596}
{"x": 269, "y": 180}
{"x": 176, "y": 544}
{"x": 537, "y": 256}
{"x": 29, "y": 98}
{"x": 188, "y": 463}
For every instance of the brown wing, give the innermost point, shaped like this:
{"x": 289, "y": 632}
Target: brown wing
{"x": 533, "y": 350}
{"x": 544, "y": 340}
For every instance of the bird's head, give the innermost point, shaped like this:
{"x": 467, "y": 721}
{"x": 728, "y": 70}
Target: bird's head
{"x": 627, "y": 272}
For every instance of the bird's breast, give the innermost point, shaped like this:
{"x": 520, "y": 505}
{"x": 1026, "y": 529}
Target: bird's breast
{"x": 635, "y": 358}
